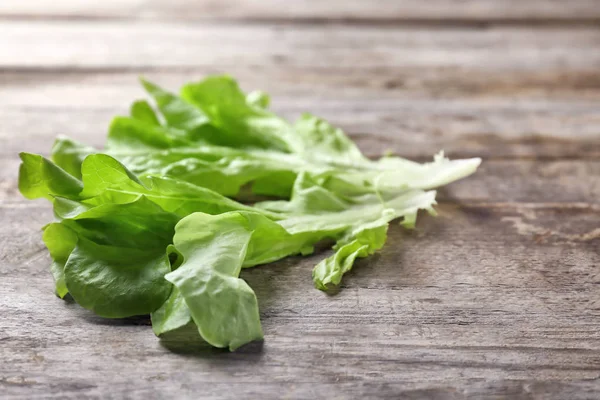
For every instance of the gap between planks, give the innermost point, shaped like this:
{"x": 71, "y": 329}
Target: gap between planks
{"x": 421, "y": 22}
{"x": 344, "y": 11}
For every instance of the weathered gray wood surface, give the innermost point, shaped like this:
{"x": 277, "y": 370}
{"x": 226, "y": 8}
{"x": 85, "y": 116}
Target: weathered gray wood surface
{"x": 499, "y": 297}
{"x": 151, "y": 45}
{"x": 507, "y": 11}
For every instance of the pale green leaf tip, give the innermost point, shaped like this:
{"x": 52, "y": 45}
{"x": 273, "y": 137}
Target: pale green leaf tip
{"x": 61, "y": 292}
{"x": 145, "y": 82}
{"x": 149, "y": 86}
{"x": 23, "y": 155}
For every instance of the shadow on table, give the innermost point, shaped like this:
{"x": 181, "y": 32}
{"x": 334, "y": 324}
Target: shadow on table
{"x": 188, "y": 342}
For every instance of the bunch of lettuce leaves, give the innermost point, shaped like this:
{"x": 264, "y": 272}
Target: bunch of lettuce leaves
{"x": 151, "y": 225}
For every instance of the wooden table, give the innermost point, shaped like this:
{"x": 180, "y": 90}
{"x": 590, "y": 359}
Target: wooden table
{"x": 497, "y": 298}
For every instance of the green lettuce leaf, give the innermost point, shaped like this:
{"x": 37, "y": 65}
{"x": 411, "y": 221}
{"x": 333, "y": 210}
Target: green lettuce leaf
{"x": 114, "y": 233}
{"x": 241, "y": 123}
{"x": 222, "y": 305}
{"x": 214, "y": 249}
{"x": 143, "y": 111}
{"x": 118, "y": 265}
{"x": 146, "y": 149}
{"x": 258, "y": 99}
{"x": 61, "y": 242}
{"x": 117, "y": 282}
{"x": 104, "y": 180}
{"x": 108, "y": 181}
{"x": 112, "y": 258}
{"x": 325, "y": 143}
{"x": 148, "y": 225}
{"x": 40, "y": 177}
{"x": 217, "y": 137}
{"x": 176, "y": 112}
{"x": 359, "y": 244}
{"x": 173, "y": 315}
{"x": 69, "y": 155}
{"x": 359, "y": 224}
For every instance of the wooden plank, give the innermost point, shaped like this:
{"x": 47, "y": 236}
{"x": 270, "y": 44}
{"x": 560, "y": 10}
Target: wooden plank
{"x": 503, "y": 118}
{"x": 311, "y": 10}
{"x": 114, "y": 45}
{"x": 48, "y": 87}
{"x": 469, "y": 305}
{"x": 496, "y": 298}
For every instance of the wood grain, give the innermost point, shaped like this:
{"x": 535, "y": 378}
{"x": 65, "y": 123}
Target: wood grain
{"x": 496, "y": 298}
{"x": 114, "y": 45}
{"x": 543, "y": 11}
